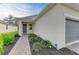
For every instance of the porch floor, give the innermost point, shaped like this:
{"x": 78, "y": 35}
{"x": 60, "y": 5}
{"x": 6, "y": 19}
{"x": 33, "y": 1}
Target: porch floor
{"x": 21, "y": 47}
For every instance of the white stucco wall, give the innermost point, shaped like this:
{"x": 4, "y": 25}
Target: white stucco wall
{"x": 10, "y": 28}
{"x": 28, "y": 30}
{"x": 51, "y": 27}
{"x": 69, "y": 11}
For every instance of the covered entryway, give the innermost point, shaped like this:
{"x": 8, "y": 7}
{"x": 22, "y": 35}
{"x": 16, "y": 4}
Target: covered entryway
{"x": 24, "y": 27}
{"x": 72, "y": 31}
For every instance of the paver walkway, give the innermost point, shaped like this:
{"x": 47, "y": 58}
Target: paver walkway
{"x": 21, "y": 47}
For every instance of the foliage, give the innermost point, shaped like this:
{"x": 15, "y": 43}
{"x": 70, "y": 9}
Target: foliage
{"x": 32, "y": 38}
{"x": 38, "y": 43}
{"x": 8, "y": 37}
{"x": 46, "y": 44}
{"x": 17, "y": 35}
{"x": 1, "y": 46}
{"x": 36, "y": 47}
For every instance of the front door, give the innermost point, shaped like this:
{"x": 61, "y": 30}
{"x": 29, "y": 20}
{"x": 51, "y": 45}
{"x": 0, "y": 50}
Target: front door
{"x": 24, "y": 28}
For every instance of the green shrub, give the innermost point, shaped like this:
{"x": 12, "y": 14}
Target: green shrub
{"x": 36, "y": 47}
{"x": 17, "y": 35}
{"x": 46, "y": 44}
{"x": 1, "y": 47}
{"x": 8, "y": 37}
{"x": 38, "y": 43}
{"x": 32, "y": 38}
{"x": 31, "y": 35}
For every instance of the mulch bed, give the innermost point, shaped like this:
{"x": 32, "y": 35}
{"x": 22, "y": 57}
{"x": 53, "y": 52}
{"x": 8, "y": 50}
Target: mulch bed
{"x": 53, "y": 51}
{"x": 8, "y": 48}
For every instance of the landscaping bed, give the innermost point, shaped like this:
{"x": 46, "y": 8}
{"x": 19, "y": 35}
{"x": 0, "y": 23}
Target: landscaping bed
{"x": 39, "y": 46}
{"x": 7, "y": 41}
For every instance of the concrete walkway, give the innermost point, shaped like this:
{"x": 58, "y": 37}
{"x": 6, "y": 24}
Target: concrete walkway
{"x": 22, "y": 47}
{"x": 74, "y": 47}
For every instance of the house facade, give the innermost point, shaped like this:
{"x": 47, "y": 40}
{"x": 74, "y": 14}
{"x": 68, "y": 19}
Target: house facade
{"x": 7, "y": 28}
{"x": 58, "y": 23}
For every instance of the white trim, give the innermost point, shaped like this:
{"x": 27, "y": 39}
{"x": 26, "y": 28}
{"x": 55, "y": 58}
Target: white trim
{"x": 64, "y": 30}
{"x": 72, "y": 43}
{"x": 20, "y": 28}
{"x": 71, "y": 16}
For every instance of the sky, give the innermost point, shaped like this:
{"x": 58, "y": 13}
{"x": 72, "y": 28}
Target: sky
{"x": 20, "y": 9}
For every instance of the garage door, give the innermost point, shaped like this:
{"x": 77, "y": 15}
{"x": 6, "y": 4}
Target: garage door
{"x": 72, "y": 30}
